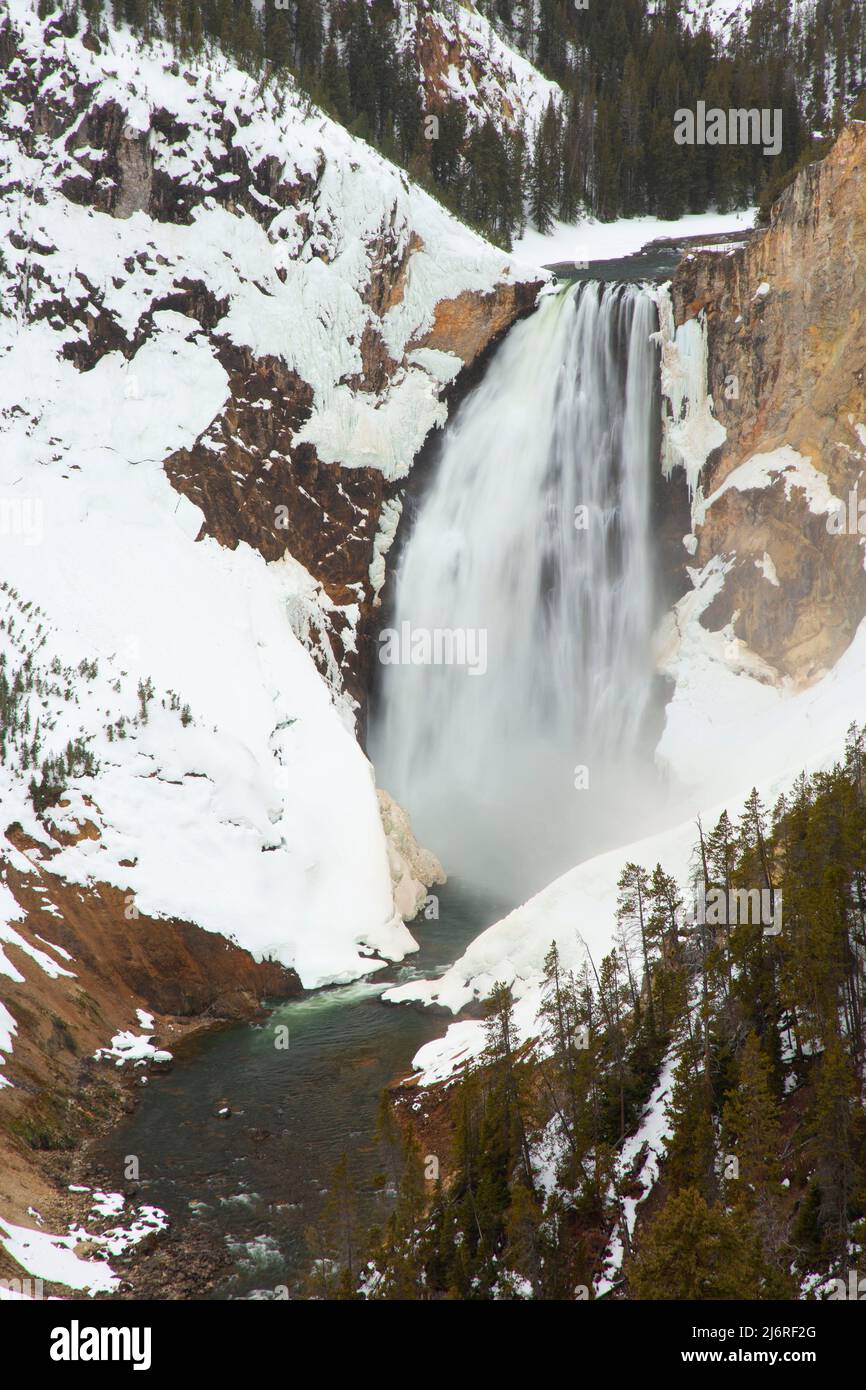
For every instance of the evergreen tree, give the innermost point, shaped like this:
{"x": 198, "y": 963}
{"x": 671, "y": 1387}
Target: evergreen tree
{"x": 633, "y": 911}
{"x": 832, "y": 1141}
{"x": 695, "y": 1251}
{"x": 544, "y": 173}
{"x": 753, "y": 1135}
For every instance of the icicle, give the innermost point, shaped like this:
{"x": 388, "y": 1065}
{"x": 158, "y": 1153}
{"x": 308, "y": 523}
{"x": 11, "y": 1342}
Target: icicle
{"x": 690, "y": 430}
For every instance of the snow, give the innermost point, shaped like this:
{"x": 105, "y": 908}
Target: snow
{"x": 13, "y": 938}
{"x": 768, "y": 569}
{"x": 267, "y": 762}
{"x": 53, "y": 1259}
{"x": 8, "y": 1026}
{"x": 108, "y": 1203}
{"x": 389, "y": 519}
{"x": 130, "y": 1047}
{"x": 117, "y": 1240}
{"x": 651, "y": 1135}
{"x": 257, "y": 818}
{"x": 762, "y": 470}
{"x": 440, "y": 1058}
{"x": 591, "y": 240}
{"x": 691, "y": 431}
{"x": 57, "y": 949}
{"x": 11, "y": 912}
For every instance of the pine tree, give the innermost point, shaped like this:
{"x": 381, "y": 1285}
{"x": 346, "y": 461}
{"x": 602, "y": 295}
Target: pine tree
{"x": 753, "y": 1136}
{"x": 694, "y": 1251}
{"x": 501, "y": 1056}
{"x": 633, "y": 911}
{"x": 342, "y": 1227}
{"x": 523, "y": 1236}
{"x": 544, "y": 173}
{"x": 691, "y": 1147}
{"x": 832, "y": 1139}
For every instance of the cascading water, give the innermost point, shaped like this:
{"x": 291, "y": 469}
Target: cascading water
{"x": 531, "y": 559}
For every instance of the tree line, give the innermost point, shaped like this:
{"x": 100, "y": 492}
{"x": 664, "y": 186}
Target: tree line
{"x": 606, "y": 148}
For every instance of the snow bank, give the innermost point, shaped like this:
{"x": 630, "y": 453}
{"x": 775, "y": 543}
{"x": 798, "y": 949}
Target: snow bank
{"x": 131, "y": 1047}
{"x": 53, "y": 1259}
{"x": 258, "y": 816}
{"x": 591, "y": 240}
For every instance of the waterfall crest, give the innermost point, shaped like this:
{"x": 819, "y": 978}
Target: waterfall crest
{"x": 533, "y": 541}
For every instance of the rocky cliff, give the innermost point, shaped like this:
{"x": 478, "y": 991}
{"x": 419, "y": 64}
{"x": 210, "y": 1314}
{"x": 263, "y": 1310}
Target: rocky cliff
{"x": 785, "y": 319}
{"x": 227, "y": 329}
{"x": 339, "y": 301}
{"x": 95, "y": 997}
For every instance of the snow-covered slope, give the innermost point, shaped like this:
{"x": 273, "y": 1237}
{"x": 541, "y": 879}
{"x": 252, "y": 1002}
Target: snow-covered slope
{"x": 168, "y": 228}
{"x": 718, "y": 15}
{"x": 590, "y": 240}
{"x": 460, "y": 57}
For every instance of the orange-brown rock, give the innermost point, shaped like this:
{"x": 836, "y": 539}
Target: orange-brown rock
{"x": 467, "y": 324}
{"x": 255, "y": 484}
{"x": 186, "y": 977}
{"x": 786, "y": 316}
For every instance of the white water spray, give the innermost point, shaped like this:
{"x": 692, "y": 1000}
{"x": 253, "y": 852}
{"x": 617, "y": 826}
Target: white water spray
{"x": 532, "y": 543}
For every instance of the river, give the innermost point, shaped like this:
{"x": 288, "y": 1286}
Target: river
{"x": 256, "y": 1179}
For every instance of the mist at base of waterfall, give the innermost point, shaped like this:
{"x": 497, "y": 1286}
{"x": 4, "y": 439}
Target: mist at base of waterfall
{"x": 529, "y": 747}
{"x": 513, "y": 836}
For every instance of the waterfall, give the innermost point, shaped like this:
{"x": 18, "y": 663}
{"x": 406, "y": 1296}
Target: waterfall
{"x": 517, "y": 675}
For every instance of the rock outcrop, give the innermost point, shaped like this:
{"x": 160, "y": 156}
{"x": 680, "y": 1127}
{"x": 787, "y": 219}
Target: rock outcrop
{"x": 76, "y": 972}
{"x": 341, "y": 302}
{"x": 413, "y": 868}
{"x": 786, "y": 371}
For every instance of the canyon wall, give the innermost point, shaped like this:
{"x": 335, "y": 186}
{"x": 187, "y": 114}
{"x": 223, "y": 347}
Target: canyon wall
{"x": 227, "y": 328}
{"x": 786, "y": 372}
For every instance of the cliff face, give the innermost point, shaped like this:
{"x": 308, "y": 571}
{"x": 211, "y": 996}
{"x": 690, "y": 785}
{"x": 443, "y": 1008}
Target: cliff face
{"x": 79, "y": 968}
{"x": 340, "y": 302}
{"x": 227, "y": 328}
{"x": 786, "y": 371}
{"x": 251, "y": 468}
